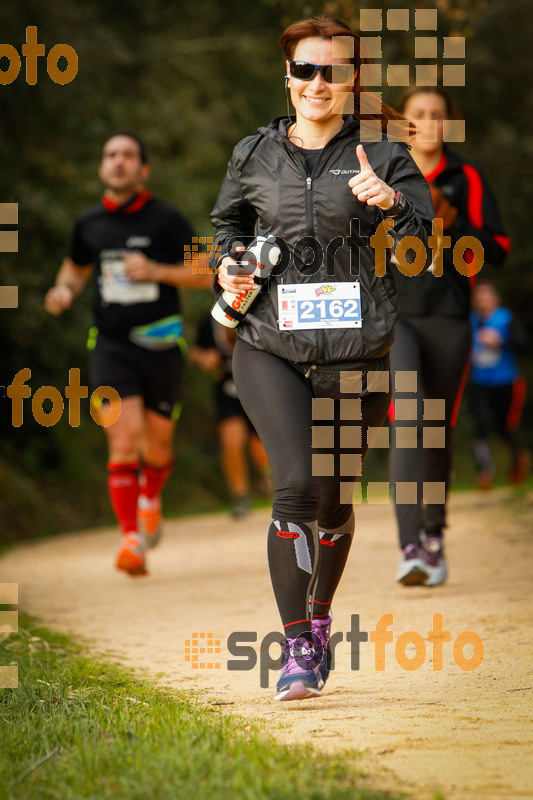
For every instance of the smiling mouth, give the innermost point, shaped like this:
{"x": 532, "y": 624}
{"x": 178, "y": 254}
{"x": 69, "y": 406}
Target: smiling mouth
{"x": 316, "y": 101}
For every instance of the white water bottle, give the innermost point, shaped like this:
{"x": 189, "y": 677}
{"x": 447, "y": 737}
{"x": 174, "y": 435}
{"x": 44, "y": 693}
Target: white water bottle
{"x": 261, "y": 256}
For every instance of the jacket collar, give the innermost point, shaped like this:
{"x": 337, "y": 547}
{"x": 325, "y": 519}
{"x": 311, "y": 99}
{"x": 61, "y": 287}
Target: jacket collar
{"x": 449, "y": 163}
{"x": 130, "y": 206}
{"x": 278, "y": 127}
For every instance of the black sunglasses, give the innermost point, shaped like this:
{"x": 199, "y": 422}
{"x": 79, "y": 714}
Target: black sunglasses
{"x": 332, "y": 73}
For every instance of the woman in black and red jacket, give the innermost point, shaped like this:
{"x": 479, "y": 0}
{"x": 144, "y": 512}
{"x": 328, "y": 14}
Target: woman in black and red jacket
{"x": 433, "y": 338}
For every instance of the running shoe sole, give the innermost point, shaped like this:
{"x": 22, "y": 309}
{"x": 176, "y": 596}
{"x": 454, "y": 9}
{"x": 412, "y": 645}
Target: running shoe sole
{"x": 298, "y": 690}
{"x": 415, "y": 577}
{"x": 412, "y": 573}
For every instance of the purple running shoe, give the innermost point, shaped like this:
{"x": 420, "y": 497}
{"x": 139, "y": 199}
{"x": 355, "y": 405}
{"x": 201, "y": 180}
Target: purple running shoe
{"x": 322, "y": 631}
{"x": 300, "y": 676}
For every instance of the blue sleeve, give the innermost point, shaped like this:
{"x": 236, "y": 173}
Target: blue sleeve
{"x": 500, "y": 321}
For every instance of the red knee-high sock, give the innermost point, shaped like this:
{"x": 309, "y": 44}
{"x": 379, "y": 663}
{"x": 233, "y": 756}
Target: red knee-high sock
{"x": 123, "y": 484}
{"x": 154, "y": 478}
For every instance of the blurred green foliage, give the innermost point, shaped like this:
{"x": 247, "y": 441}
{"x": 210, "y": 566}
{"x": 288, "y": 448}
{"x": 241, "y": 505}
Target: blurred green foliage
{"x": 191, "y": 79}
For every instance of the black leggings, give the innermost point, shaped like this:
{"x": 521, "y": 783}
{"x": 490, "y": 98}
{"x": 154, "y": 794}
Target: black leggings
{"x": 436, "y": 350}
{"x": 278, "y": 399}
{"x": 492, "y": 408}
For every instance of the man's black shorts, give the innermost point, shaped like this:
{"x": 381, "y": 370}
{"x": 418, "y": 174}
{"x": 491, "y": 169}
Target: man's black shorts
{"x": 228, "y": 406}
{"x": 155, "y": 375}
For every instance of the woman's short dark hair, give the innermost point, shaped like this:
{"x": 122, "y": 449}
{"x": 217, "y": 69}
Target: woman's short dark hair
{"x": 324, "y": 27}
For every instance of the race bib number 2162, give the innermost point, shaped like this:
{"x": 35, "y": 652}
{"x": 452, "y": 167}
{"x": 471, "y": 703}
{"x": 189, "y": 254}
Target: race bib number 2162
{"x": 319, "y": 305}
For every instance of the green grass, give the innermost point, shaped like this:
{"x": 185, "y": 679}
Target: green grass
{"x": 79, "y": 728}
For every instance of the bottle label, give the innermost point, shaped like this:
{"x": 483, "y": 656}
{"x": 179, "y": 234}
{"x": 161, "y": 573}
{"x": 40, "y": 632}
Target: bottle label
{"x": 259, "y": 259}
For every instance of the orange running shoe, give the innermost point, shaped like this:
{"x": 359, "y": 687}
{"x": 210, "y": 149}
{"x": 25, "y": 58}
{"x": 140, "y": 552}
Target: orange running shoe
{"x": 485, "y": 481}
{"x": 150, "y": 519}
{"x": 130, "y": 557}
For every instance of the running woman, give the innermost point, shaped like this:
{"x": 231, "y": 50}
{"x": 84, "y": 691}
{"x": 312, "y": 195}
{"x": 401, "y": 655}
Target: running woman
{"x": 135, "y": 243}
{"x": 308, "y": 181}
{"x": 433, "y": 336}
{"x": 498, "y": 390}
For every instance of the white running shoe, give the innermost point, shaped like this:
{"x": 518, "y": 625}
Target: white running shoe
{"x": 412, "y": 570}
{"x": 434, "y": 561}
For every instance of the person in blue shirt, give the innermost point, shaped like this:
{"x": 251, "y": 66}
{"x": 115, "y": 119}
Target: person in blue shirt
{"x": 498, "y": 389}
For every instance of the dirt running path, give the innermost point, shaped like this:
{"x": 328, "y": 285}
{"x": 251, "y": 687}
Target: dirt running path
{"x": 468, "y": 734}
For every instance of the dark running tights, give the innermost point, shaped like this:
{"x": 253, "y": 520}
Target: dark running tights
{"x": 312, "y": 526}
{"x": 437, "y": 350}
{"x": 490, "y": 406}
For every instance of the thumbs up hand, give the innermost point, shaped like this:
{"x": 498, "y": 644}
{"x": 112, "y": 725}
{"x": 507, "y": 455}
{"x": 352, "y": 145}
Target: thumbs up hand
{"x": 363, "y": 160}
{"x": 367, "y": 187}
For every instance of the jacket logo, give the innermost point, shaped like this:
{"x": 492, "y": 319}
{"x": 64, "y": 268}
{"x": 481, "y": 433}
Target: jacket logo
{"x": 345, "y": 171}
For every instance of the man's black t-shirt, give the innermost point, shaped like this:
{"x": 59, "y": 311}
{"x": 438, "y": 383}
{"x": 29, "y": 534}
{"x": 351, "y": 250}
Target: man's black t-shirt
{"x": 102, "y": 237}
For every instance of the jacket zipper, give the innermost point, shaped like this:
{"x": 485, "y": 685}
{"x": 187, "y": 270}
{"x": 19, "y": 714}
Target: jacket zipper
{"x": 311, "y": 232}
{"x": 321, "y": 341}
{"x": 309, "y": 207}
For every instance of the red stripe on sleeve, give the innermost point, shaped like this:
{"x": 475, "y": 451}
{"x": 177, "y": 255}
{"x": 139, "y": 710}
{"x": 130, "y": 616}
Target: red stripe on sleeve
{"x": 475, "y": 195}
{"x": 503, "y": 241}
{"x": 459, "y": 395}
{"x": 474, "y": 207}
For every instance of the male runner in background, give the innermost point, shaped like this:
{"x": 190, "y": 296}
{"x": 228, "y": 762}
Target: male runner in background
{"x": 136, "y": 244}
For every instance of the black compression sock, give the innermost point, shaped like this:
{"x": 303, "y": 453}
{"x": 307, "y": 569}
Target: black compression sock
{"x": 334, "y": 549}
{"x": 292, "y": 558}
